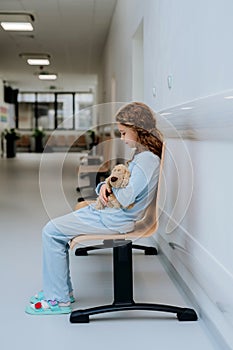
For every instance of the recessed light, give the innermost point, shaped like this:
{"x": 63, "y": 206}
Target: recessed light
{"x": 13, "y": 21}
{"x": 38, "y": 61}
{"x": 47, "y": 76}
{"x": 17, "y": 26}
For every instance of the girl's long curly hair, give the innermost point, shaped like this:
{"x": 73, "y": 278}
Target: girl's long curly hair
{"x": 142, "y": 120}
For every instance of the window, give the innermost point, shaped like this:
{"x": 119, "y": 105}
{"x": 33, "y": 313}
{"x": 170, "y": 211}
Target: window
{"x": 26, "y": 104}
{"x": 55, "y": 110}
{"x": 45, "y": 111}
{"x": 65, "y": 111}
{"x": 83, "y": 112}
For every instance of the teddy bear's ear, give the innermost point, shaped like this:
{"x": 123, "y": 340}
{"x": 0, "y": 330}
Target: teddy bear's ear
{"x": 107, "y": 180}
{"x": 126, "y": 178}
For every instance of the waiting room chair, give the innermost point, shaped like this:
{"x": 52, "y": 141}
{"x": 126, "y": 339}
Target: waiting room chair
{"x": 24, "y": 143}
{"x": 122, "y": 266}
{"x": 95, "y": 166}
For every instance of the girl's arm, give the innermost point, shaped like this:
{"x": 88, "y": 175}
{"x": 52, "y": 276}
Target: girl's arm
{"x": 102, "y": 192}
{"x": 141, "y": 175}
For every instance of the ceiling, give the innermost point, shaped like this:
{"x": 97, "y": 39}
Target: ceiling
{"x": 72, "y": 32}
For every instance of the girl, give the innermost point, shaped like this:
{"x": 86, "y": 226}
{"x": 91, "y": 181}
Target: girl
{"x": 137, "y": 125}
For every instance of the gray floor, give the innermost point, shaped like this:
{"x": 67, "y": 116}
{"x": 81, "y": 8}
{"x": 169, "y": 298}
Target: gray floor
{"x": 22, "y": 215}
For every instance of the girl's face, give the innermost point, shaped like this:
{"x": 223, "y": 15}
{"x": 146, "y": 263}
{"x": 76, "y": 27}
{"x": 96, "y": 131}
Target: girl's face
{"x": 128, "y": 135}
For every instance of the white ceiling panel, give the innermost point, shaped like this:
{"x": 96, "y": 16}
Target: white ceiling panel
{"x": 72, "y": 32}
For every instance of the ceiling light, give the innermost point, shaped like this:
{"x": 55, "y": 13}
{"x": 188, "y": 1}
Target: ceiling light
{"x": 16, "y": 21}
{"x": 228, "y": 97}
{"x": 47, "y": 76}
{"x": 17, "y": 26}
{"x": 36, "y": 59}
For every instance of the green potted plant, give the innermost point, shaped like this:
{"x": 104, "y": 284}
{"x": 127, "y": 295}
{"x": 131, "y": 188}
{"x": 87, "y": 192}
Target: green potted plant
{"x": 11, "y": 136}
{"x": 38, "y": 134}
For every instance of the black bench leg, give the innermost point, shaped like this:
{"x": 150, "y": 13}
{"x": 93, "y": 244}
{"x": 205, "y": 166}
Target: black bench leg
{"x": 83, "y": 251}
{"x": 147, "y": 250}
{"x": 123, "y": 291}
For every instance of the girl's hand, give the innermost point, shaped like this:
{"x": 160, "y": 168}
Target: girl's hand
{"x": 103, "y": 195}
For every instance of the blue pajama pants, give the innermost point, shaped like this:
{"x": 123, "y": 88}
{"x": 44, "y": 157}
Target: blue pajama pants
{"x": 55, "y": 237}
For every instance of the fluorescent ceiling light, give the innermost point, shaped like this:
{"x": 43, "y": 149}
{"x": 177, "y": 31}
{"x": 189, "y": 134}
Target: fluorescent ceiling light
{"x": 47, "y": 76}
{"x": 16, "y": 21}
{"x": 17, "y": 26}
{"x": 38, "y": 61}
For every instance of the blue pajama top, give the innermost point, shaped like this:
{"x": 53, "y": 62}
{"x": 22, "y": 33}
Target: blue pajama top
{"x": 144, "y": 170}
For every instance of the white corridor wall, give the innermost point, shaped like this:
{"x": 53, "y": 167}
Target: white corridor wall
{"x": 190, "y": 42}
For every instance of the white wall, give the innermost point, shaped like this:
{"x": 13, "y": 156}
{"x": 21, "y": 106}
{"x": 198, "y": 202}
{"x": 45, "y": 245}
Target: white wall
{"x": 190, "y": 41}
{"x": 195, "y": 229}
{"x": 118, "y": 51}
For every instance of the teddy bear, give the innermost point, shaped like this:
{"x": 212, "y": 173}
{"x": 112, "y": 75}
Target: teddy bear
{"x": 118, "y": 178}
